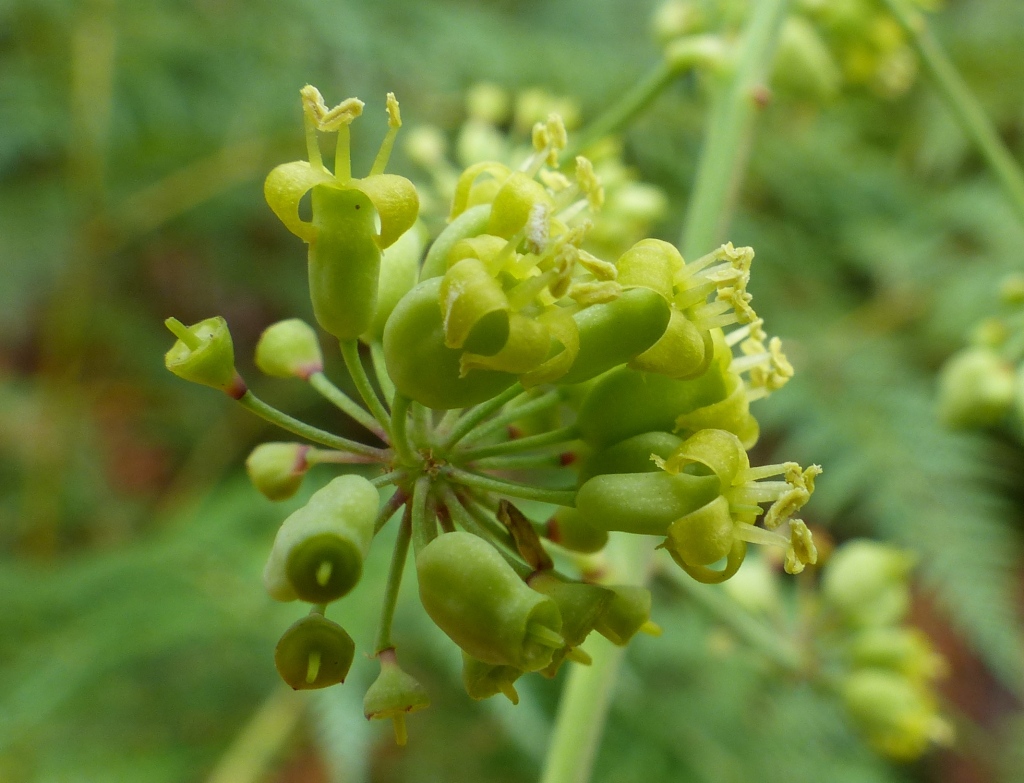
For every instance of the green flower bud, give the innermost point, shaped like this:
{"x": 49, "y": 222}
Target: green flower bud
{"x": 483, "y": 680}
{"x": 514, "y": 203}
{"x": 399, "y": 272}
{"x": 488, "y": 102}
{"x": 624, "y": 403}
{"x": 867, "y": 582}
{"x": 904, "y": 650}
{"x": 645, "y": 503}
{"x": 394, "y": 694}
{"x": 676, "y": 18}
{"x": 479, "y": 140}
{"x": 580, "y": 605}
{"x": 396, "y": 202}
{"x": 650, "y": 263}
{"x": 681, "y": 352}
{"x": 289, "y": 349}
{"x": 975, "y": 389}
{"x": 422, "y": 367}
{"x": 318, "y": 552}
{"x": 731, "y": 413}
{"x": 629, "y": 611}
{"x": 277, "y": 469}
{"x": 633, "y": 455}
{"x": 314, "y": 653}
{"x": 803, "y": 65}
{"x": 344, "y": 260}
{"x": 474, "y": 308}
{"x": 470, "y": 223}
{"x": 899, "y": 719}
{"x": 570, "y": 530}
{"x": 203, "y": 353}
{"x": 704, "y": 536}
{"x": 614, "y": 332}
{"x": 476, "y": 598}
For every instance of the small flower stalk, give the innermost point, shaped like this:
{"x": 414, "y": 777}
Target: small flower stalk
{"x": 542, "y": 379}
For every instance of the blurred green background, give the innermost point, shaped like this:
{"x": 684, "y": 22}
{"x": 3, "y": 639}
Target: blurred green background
{"x": 136, "y": 638}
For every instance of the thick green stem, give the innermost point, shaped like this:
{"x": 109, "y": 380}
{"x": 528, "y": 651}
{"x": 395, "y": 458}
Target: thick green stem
{"x": 560, "y": 497}
{"x": 565, "y": 435}
{"x": 727, "y": 138}
{"x": 478, "y": 413}
{"x": 587, "y": 696}
{"x": 350, "y": 353}
{"x": 625, "y": 109}
{"x": 961, "y": 102}
{"x": 345, "y": 404}
{"x": 398, "y": 555}
{"x": 584, "y": 705}
{"x": 253, "y": 403}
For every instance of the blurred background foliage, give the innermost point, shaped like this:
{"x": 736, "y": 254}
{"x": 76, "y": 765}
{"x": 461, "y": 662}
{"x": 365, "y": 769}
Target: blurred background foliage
{"x": 137, "y": 640}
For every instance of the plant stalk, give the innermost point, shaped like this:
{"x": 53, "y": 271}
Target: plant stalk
{"x": 961, "y": 102}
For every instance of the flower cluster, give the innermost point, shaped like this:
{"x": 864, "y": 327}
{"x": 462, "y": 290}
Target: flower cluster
{"x": 886, "y": 670}
{"x": 497, "y": 127}
{"x": 982, "y": 384}
{"x": 513, "y": 364}
{"x": 823, "y": 44}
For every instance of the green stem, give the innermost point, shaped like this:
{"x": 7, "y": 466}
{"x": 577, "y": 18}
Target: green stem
{"x": 625, "y": 109}
{"x": 345, "y": 404}
{"x": 388, "y": 510}
{"x": 422, "y": 424}
{"x": 961, "y": 102}
{"x": 394, "y": 583}
{"x": 471, "y": 524}
{"x": 320, "y": 457}
{"x": 423, "y": 532}
{"x": 727, "y": 138}
{"x": 388, "y": 478}
{"x": 519, "y": 462}
{"x": 253, "y": 403}
{"x": 399, "y": 422}
{"x": 584, "y": 704}
{"x": 517, "y": 413}
{"x": 555, "y": 437}
{"x": 380, "y": 369}
{"x": 560, "y": 497}
{"x": 350, "y": 353}
{"x": 478, "y": 413}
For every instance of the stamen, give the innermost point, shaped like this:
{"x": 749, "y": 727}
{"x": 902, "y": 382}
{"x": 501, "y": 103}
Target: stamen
{"x": 401, "y": 732}
{"x": 313, "y": 666}
{"x": 510, "y": 692}
{"x": 183, "y": 333}
{"x": 323, "y": 573}
{"x": 541, "y": 634}
{"x": 576, "y": 655}
{"x": 394, "y": 123}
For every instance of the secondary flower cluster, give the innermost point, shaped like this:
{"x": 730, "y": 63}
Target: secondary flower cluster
{"x": 886, "y": 670}
{"x": 822, "y": 44}
{"x": 982, "y": 384}
{"x": 512, "y": 365}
